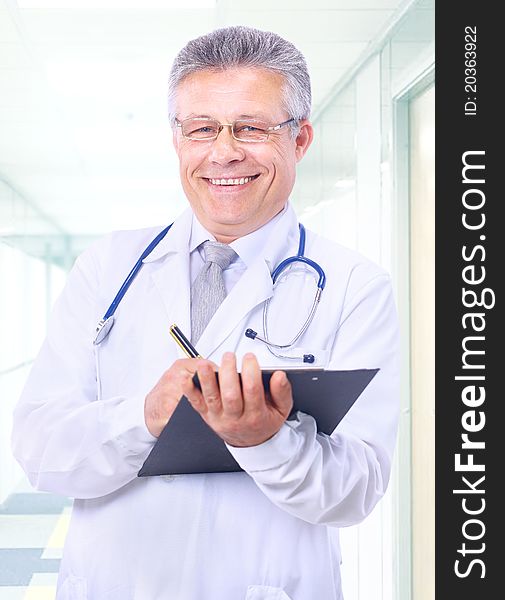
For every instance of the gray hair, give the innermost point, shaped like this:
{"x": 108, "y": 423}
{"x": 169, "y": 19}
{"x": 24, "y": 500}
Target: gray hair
{"x": 238, "y": 46}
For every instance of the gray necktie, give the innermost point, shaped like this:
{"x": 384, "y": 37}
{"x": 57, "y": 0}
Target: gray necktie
{"x": 208, "y": 290}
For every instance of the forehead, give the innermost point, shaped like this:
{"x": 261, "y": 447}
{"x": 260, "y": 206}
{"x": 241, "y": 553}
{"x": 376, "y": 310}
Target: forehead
{"x": 234, "y": 92}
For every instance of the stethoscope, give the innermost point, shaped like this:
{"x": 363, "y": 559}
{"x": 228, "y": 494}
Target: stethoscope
{"x": 105, "y": 325}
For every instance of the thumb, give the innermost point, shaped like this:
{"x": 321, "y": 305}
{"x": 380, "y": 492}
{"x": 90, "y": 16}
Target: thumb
{"x": 281, "y": 393}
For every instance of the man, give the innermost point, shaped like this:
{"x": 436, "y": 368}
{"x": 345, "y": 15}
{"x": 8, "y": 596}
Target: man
{"x": 91, "y": 413}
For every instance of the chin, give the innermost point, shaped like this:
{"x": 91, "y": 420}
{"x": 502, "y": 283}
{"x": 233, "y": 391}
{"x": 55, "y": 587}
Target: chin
{"x": 225, "y": 225}
{"x": 228, "y": 216}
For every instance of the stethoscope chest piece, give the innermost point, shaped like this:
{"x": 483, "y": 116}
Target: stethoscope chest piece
{"x": 102, "y": 329}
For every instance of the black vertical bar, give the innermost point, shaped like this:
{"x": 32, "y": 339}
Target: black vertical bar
{"x": 469, "y": 255}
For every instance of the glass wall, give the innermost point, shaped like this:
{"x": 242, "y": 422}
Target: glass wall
{"x": 354, "y": 187}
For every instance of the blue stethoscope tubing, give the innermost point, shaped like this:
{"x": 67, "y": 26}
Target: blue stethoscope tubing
{"x": 105, "y": 325}
{"x": 276, "y": 273}
{"x": 107, "y": 321}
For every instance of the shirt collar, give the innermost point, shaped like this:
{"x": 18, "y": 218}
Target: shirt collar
{"x": 187, "y": 233}
{"x": 247, "y": 247}
{"x": 198, "y": 234}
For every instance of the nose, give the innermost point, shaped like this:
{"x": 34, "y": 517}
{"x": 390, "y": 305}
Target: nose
{"x": 225, "y": 148}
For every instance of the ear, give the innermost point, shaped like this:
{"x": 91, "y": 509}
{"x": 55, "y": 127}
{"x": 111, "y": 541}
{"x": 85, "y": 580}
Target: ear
{"x": 303, "y": 139}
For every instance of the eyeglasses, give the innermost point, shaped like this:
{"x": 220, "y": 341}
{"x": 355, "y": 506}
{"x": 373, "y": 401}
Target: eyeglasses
{"x": 202, "y": 129}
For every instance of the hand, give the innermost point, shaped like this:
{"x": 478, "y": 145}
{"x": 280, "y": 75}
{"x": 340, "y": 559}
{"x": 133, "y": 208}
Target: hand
{"x": 240, "y": 416}
{"x": 162, "y": 400}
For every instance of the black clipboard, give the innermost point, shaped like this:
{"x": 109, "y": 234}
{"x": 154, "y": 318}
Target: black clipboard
{"x": 188, "y": 445}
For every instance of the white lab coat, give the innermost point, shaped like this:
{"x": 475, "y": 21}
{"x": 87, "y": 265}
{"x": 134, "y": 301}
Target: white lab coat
{"x": 268, "y": 533}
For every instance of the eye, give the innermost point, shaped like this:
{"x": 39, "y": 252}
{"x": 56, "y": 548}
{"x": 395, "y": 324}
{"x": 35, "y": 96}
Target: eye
{"x": 199, "y": 128}
{"x": 250, "y": 128}
{"x": 204, "y": 129}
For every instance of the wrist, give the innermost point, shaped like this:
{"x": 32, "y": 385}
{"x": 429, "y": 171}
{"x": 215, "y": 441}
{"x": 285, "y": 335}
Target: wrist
{"x": 247, "y": 441}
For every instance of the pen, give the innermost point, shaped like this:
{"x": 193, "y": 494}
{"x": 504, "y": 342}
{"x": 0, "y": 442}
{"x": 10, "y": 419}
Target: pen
{"x": 183, "y": 342}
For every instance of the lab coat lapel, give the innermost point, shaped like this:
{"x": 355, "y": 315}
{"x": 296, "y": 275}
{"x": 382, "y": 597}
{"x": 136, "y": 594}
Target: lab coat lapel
{"x": 171, "y": 279}
{"x": 170, "y": 271}
{"x": 252, "y": 289}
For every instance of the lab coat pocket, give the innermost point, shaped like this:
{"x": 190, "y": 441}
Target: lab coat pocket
{"x": 265, "y": 592}
{"x": 72, "y": 588}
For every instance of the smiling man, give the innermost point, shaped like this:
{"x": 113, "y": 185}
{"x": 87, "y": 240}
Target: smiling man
{"x": 92, "y": 410}
{"x": 235, "y": 188}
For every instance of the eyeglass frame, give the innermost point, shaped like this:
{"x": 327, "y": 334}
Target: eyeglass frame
{"x": 231, "y": 125}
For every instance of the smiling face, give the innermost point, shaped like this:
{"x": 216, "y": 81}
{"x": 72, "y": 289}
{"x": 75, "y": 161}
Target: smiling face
{"x": 235, "y": 187}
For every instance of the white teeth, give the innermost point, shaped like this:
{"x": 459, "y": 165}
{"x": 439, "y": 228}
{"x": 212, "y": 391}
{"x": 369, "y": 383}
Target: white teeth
{"x": 240, "y": 181}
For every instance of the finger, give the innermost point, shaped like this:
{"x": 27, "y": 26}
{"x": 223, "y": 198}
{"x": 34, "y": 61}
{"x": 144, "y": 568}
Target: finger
{"x": 209, "y": 386}
{"x": 181, "y": 371}
{"x": 252, "y": 384}
{"x": 229, "y": 385}
{"x": 281, "y": 393}
{"x": 194, "y": 395}
{"x": 181, "y": 368}
{"x": 178, "y": 379}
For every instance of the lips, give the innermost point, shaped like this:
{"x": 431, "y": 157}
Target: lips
{"x": 232, "y": 181}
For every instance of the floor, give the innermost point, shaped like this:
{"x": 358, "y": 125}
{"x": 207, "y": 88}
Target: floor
{"x": 33, "y": 526}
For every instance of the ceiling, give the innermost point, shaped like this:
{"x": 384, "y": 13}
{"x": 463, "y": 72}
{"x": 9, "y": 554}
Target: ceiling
{"x": 84, "y": 136}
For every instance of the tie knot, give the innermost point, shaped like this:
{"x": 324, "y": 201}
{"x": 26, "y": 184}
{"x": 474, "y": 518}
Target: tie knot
{"x": 220, "y": 254}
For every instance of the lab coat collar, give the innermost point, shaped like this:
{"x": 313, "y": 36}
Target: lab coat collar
{"x": 283, "y": 239}
{"x": 176, "y": 240}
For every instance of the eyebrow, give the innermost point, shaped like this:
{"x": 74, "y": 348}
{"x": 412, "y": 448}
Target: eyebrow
{"x": 239, "y": 118}
{"x": 198, "y": 116}
{"x": 260, "y": 117}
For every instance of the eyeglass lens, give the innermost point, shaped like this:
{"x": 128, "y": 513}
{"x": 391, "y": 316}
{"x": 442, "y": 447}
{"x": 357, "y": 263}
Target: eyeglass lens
{"x": 208, "y": 129}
